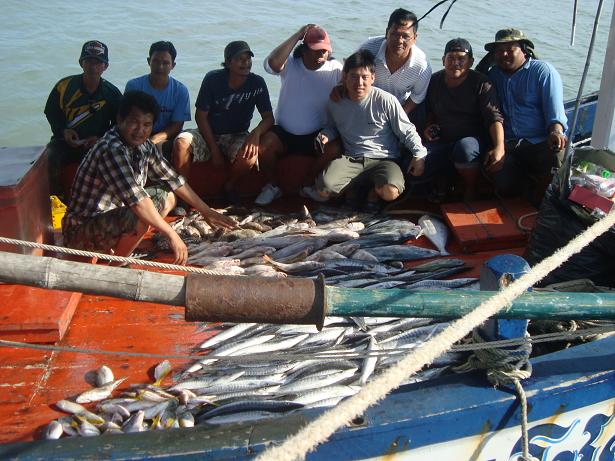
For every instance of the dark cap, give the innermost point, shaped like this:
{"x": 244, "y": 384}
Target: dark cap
{"x": 234, "y": 48}
{"x": 95, "y": 50}
{"x": 507, "y": 36}
{"x": 316, "y": 38}
{"x": 458, "y": 44}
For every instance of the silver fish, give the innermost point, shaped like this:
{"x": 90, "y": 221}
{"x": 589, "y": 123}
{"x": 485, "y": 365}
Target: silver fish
{"x": 104, "y": 375}
{"x": 134, "y": 423}
{"x": 99, "y": 393}
{"x": 441, "y": 284}
{"x": 223, "y": 336}
{"x": 162, "y": 370}
{"x": 54, "y": 430}
{"x": 402, "y": 253}
{"x": 436, "y": 231}
{"x": 369, "y": 363}
{"x": 324, "y": 393}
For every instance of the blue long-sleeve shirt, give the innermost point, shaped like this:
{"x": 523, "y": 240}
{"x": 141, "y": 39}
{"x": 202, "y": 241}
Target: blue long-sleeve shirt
{"x": 532, "y": 99}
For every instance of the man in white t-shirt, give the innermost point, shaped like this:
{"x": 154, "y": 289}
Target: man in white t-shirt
{"x": 402, "y": 68}
{"x": 308, "y": 76}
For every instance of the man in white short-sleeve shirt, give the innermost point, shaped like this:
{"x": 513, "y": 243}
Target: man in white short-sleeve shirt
{"x": 402, "y": 68}
{"x": 308, "y": 76}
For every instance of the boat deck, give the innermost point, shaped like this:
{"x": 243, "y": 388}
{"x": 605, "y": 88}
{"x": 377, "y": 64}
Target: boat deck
{"x": 33, "y": 380}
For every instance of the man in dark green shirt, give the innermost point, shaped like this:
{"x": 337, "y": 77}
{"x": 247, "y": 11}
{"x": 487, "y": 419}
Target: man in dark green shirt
{"x": 80, "y": 109}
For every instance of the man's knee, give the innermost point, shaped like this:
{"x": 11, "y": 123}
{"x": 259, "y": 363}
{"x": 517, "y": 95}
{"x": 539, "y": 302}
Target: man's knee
{"x": 387, "y": 192}
{"x": 270, "y": 145}
{"x": 182, "y": 150}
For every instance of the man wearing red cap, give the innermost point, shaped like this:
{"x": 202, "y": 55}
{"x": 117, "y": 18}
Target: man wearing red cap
{"x": 308, "y": 76}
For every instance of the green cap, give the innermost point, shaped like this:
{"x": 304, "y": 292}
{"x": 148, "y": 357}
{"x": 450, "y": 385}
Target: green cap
{"x": 507, "y": 36}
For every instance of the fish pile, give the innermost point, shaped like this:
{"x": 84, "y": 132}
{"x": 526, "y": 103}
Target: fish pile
{"x": 252, "y": 372}
{"x": 349, "y": 249}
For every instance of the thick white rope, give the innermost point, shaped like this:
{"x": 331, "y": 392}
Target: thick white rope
{"x": 119, "y": 259}
{"x": 297, "y": 446}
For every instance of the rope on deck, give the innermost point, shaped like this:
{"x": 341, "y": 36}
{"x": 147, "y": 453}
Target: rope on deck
{"x": 297, "y": 446}
{"x": 113, "y": 258}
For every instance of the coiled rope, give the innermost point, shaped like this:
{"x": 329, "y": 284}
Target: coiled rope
{"x": 307, "y": 439}
{"x": 119, "y": 259}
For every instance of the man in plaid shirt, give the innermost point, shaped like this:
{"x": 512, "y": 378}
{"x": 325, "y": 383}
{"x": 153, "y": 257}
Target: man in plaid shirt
{"x": 110, "y": 208}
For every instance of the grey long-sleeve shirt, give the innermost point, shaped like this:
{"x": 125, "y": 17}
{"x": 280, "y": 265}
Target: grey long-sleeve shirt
{"x": 372, "y": 127}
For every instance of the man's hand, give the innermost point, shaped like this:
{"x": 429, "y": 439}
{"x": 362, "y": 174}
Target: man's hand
{"x": 319, "y": 142}
{"x": 556, "y": 140}
{"x": 301, "y": 32}
{"x": 250, "y": 145}
{"x": 432, "y": 132}
{"x": 178, "y": 247}
{"x": 216, "y": 157}
{"x": 216, "y": 220}
{"x": 417, "y": 166}
{"x": 337, "y": 93}
{"x": 494, "y": 160}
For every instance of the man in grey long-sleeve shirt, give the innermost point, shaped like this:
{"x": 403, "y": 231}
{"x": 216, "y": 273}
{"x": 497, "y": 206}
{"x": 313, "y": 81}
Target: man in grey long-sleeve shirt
{"x": 370, "y": 124}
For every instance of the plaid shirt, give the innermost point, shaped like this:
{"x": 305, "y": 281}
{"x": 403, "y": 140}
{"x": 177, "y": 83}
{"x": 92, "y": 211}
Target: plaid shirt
{"x": 113, "y": 175}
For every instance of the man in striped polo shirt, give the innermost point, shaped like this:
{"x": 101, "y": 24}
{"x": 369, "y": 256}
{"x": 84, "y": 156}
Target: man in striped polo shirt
{"x": 402, "y": 68}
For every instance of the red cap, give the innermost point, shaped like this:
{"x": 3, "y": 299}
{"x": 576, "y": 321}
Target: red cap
{"x": 316, "y": 38}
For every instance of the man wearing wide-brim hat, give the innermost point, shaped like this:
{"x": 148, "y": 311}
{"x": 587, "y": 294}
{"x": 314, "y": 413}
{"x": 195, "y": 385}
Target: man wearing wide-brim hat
{"x": 531, "y": 98}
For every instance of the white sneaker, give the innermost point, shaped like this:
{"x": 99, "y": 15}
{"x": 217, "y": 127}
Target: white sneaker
{"x": 268, "y": 195}
{"x": 311, "y": 192}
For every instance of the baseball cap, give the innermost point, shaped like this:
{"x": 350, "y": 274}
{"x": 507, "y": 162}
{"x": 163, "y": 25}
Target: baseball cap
{"x": 506, "y": 36}
{"x": 234, "y": 48}
{"x": 316, "y": 38}
{"x": 458, "y": 44}
{"x": 95, "y": 50}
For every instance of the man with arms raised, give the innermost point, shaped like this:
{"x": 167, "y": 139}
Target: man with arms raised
{"x": 371, "y": 124}
{"x": 80, "y": 109}
{"x": 402, "y": 68}
{"x": 224, "y": 108}
{"x": 171, "y": 95}
{"x": 110, "y": 208}
{"x": 531, "y": 98}
{"x": 464, "y": 124}
{"x": 308, "y": 76}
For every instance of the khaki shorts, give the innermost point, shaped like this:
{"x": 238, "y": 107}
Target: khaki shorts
{"x": 103, "y": 231}
{"x": 345, "y": 170}
{"x": 229, "y": 144}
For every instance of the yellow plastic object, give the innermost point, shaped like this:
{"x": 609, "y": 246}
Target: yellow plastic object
{"x": 58, "y": 209}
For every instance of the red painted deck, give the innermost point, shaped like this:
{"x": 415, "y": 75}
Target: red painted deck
{"x": 32, "y": 381}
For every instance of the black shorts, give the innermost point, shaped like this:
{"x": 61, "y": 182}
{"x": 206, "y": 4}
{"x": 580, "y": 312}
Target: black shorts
{"x": 302, "y": 144}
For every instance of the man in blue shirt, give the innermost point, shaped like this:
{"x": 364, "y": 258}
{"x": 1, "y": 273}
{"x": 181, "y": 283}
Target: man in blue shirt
{"x": 171, "y": 95}
{"x": 531, "y": 98}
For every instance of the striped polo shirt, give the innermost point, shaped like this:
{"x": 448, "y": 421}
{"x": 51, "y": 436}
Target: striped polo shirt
{"x": 409, "y": 81}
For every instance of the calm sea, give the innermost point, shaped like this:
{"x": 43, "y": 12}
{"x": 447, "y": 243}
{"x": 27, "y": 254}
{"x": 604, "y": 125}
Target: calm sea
{"x": 40, "y": 41}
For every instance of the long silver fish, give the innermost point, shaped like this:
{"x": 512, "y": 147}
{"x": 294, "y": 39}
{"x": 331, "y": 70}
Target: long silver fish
{"x": 402, "y": 253}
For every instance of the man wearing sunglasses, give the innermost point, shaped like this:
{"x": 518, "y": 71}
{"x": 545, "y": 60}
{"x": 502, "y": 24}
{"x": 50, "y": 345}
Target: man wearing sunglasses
{"x": 80, "y": 109}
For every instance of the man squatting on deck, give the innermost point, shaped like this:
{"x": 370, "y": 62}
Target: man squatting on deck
{"x": 370, "y": 123}
{"x": 110, "y": 209}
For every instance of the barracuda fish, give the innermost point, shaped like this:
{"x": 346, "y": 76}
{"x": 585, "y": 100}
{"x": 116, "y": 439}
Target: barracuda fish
{"x": 358, "y": 265}
{"x": 275, "y": 406}
{"x": 206, "y": 382}
{"x": 384, "y": 285}
{"x": 402, "y": 253}
{"x": 227, "y": 334}
{"x": 437, "y": 264}
{"x": 441, "y": 284}
{"x": 436, "y": 231}
{"x": 369, "y": 363}
{"x": 315, "y": 243}
{"x": 325, "y": 255}
{"x": 364, "y": 255}
{"x": 328, "y": 392}
{"x": 310, "y": 382}
{"x": 295, "y": 267}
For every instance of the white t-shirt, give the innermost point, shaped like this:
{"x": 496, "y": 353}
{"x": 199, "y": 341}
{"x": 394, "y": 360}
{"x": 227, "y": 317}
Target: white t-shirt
{"x": 409, "y": 81}
{"x": 302, "y": 104}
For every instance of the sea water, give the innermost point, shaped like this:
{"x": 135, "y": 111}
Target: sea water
{"x": 40, "y": 41}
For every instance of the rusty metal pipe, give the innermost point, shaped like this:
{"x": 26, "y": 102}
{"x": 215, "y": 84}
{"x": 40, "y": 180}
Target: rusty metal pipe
{"x": 222, "y": 298}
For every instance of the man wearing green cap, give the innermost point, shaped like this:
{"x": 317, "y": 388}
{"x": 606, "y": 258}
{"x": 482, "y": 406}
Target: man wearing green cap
{"x": 531, "y": 98}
